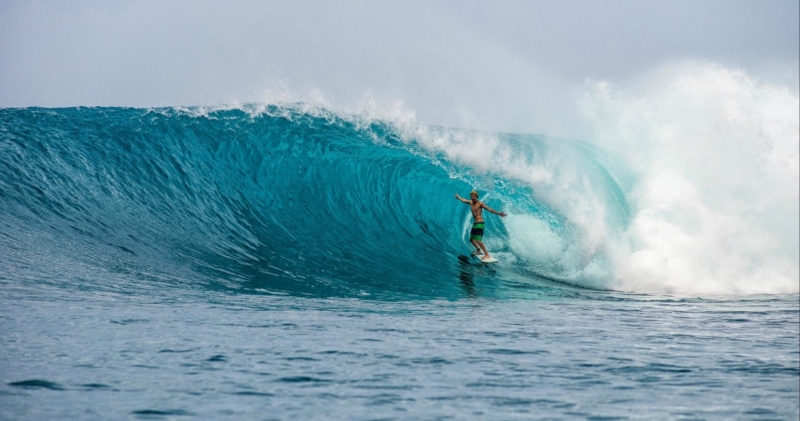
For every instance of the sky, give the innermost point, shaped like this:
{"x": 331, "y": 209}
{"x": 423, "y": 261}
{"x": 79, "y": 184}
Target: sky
{"x": 489, "y": 65}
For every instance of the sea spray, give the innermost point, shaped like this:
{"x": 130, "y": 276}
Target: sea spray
{"x": 714, "y": 158}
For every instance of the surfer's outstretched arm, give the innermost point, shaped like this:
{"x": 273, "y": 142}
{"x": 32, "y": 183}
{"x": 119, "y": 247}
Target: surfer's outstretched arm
{"x": 462, "y": 199}
{"x": 502, "y": 214}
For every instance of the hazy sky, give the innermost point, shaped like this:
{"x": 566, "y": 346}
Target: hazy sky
{"x": 451, "y": 62}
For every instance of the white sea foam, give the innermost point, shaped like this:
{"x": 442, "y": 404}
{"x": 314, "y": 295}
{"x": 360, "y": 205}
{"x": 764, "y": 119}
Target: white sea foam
{"x": 715, "y": 158}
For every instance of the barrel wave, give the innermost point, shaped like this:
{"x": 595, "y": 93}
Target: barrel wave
{"x": 304, "y": 200}
{"x": 275, "y": 201}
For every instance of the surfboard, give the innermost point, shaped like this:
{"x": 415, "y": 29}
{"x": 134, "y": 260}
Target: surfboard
{"x": 489, "y": 260}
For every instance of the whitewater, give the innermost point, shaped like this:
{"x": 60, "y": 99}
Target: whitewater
{"x": 309, "y": 260}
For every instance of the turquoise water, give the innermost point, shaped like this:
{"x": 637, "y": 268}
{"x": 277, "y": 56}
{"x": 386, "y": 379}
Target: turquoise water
{"x": 287, "y": 264}
{"x": 280, "y": 202}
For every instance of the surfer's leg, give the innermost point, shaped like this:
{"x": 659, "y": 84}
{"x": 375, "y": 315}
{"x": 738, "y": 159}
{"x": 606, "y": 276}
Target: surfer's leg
{"x": 485, "y": 252}
{"x": 477, "y": 248}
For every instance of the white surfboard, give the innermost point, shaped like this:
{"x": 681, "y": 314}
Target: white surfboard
{"x": 489, "y": 260}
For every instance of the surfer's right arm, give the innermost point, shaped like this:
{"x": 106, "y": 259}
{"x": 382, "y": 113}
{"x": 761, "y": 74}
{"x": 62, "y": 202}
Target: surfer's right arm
{"x": 462, "y": 199}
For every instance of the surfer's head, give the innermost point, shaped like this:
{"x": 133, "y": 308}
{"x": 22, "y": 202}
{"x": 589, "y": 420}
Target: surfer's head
{"x": 473, "y": 194}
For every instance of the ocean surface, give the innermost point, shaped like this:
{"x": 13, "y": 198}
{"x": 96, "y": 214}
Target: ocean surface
{"x": 274, "y": 262}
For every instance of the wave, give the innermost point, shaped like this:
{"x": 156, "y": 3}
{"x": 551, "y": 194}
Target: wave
{"x": 301, "y": 199}
{"x": 276, "y": 199}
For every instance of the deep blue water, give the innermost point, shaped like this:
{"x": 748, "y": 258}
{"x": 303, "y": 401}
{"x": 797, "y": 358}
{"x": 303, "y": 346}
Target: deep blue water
{"x": 282, "y": 264}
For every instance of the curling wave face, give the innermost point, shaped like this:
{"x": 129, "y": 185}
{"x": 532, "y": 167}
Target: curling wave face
{"x": 278, "y": 200}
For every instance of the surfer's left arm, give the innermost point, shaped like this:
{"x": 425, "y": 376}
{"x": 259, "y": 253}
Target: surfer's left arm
{"x": 502, "y": 214}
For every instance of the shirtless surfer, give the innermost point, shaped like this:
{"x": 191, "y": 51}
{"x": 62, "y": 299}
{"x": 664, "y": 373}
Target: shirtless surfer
{"x": 476, "y": 235}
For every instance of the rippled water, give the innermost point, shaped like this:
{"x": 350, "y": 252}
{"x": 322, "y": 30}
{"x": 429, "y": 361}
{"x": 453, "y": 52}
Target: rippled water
{"x": 67, "y": 355}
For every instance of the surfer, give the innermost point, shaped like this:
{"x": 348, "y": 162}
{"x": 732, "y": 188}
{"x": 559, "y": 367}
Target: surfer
{"x": 476, "y": 235}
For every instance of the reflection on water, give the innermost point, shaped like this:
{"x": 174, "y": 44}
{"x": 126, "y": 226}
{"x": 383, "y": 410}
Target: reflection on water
{"x": 468, "y": 268}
